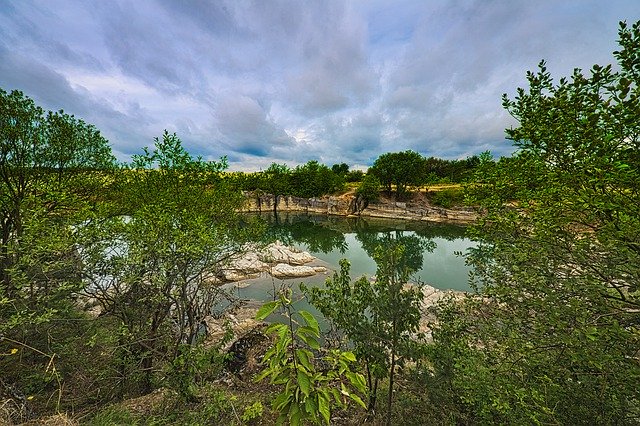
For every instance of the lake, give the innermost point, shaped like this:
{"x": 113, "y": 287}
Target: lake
{"x": 431, "y": 250}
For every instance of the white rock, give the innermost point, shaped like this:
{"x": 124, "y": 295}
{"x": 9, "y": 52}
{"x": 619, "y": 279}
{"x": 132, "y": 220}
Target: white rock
{"x": 282, "y": 270}
{"x": 238, "y": 275}
{"x": 279, "y": 253}
{"x": 246, "y": 267}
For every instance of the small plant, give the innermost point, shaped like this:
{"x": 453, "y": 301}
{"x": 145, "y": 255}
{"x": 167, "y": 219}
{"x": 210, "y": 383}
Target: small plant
{"x": 114, "y": 415}
{"x": 252, "y": 412}
{"x": 309, "y": 393}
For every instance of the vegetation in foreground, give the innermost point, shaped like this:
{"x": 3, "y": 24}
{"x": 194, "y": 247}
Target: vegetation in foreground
{"x": 109, "y": 273}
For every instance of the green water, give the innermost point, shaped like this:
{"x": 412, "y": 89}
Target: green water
{"x": 432, "y": 251}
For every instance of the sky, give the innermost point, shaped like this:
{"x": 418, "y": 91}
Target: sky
{"x": 291, "y": 81}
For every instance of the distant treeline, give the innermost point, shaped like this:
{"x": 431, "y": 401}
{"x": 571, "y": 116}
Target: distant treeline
{"x": 394, "y": 170}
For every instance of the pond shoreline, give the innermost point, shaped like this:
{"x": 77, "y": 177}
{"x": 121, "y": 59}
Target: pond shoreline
{"x": 348, "y": 205}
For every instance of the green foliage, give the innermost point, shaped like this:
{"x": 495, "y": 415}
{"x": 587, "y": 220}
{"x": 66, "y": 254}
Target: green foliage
{"x": 314, "y": 179}
{"x": 190, "y": 368}
{"x": 276, "y": 180}
{"x": 409, "y": 168}
{"x": 438, "y": 170}
{"x": 354, "y": 176}
{"x": 181, "y": 226}
{"x": 44, "y": 162}
{"x": 340, "y": 169}
{"x": 402, "y": 169}
{"x": 448, "y": 198}
{"x": 369, "y": 189}
{"x": 380, "y": 318}
{"x": 252, "y": 412}
{"x": 554, "y": 338}
{"x": 309, "y": 180}
{"x": 52, "y": 165}
{"x": 309, "y": 391}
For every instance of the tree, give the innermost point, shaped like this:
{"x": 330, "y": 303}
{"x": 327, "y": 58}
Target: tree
{"x": 158, "y": 278}
{"x": 402, "y": 169}
{"x": 380, "y": 318}
{"x": 369, "y": 189}
{"x": 46, "y": 162}
{"x": 354, "y": 176}
{"x": 555, "y": 336}
{"x": 314, "y": 179}
{"x": 340, "y": 169}
{"x": 310, "y": 391}
{"x": 277, "y": 182}
{"x": 50, "y": 167}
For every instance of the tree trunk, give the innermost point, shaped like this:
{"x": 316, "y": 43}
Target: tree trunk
{"x": 390, "y": 397}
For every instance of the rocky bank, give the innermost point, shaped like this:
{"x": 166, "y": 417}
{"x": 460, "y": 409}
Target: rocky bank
{"x": 350, "y": 205}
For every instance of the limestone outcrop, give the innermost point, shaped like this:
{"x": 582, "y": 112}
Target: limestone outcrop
{"x": 350, "y": 205}
{"x": 282, "y": 270}
{"x": 276, "y": 259}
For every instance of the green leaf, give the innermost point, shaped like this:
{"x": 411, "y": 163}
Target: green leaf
{"x": 307, "y": 331}
{"x": 295, "y": 415}
{"x": 311, "y": 341}
{"x": 310, "y": 320}
{"x": 336, "y": 395}
{"x": 323, "y": 407}
{"x": 358, "y": 381}
{"x": 304, "y": 382}
{"x": 349, "y": 356}
{"x": 281, "y": 401}
{"x": 311, "y": 407}
{"x": 358, "y": 400}
{"x": 303, "y": 356}
{"x": 266, "y": 372}
{"x": 266, "y": 310}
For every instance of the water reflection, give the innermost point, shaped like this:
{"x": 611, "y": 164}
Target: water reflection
{"x": 429, "y": 248}
{"x": 413, "y": 247}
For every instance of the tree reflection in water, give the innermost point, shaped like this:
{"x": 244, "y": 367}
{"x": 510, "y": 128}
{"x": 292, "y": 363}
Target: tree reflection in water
{"x": 326, "y": 234}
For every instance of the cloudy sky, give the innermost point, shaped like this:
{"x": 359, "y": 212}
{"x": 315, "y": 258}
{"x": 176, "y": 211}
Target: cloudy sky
{"x": 289, "y": 81}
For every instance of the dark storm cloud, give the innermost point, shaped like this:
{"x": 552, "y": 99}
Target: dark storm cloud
{"x": 288, "y": 81}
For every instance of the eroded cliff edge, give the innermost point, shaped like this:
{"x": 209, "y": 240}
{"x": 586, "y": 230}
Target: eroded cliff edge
{"x": 349, "y": 205}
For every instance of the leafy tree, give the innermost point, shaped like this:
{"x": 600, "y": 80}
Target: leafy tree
{"x": 555, "y": 337}
{"x": 51, "y": 167}
{"x": 402, "y": 169}
{"x": 451, "y": 171}
{"x": 369, "y": 189}
{"x": 340, "y": 169}
{"x": 354, "y": 176}
{"x": 381, "y": 318}
{"x": 159, "y": 276}
{"x": 314, "y": 179}
{"x": 32, "y": 146}
{"x": 276, "y": 180}
{"x": 46, "y": 164}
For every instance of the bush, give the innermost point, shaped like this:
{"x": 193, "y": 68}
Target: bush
{"x": 448, "y": 198}
{"x": 369, "y": 189}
